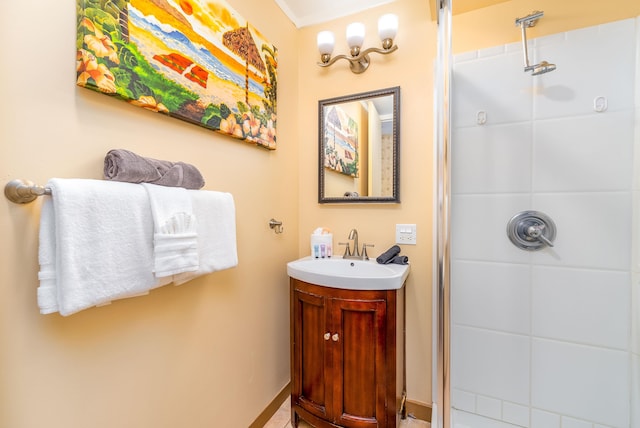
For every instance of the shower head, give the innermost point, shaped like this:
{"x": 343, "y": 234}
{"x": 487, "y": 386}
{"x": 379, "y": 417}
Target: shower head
{"x": 543, "y": 67}
{"x": 524, "y": 23}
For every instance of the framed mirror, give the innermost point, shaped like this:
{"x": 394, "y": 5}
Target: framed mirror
{"x": 359, "y": 143}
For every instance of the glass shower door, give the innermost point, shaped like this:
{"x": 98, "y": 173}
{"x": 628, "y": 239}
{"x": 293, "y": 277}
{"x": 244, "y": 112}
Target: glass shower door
{"x": 546, "y": 338}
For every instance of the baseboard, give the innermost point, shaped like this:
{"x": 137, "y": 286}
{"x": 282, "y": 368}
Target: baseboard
{"x": 419, "y": 410}
{"x": 272, "y": 408}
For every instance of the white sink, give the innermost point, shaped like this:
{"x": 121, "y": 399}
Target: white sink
{"x": 348, "y": 274}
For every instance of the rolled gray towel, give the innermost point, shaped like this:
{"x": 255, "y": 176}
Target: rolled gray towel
{"x": 399, "y": 260}
{"x": 386, "y": 257}
{"x": 123, "y": 165}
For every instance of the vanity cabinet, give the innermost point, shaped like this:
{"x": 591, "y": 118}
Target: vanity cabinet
{"x": 347, "y": 356}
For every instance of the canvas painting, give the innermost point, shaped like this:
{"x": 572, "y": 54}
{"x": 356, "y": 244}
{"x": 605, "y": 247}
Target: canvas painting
{"x": 341, "y": 142}
{"x": 194, "y": 60}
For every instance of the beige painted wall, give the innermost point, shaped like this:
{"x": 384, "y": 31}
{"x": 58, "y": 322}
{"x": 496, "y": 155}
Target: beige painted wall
{"x": 411, "y": 68}
{"x": 210, "y": 353}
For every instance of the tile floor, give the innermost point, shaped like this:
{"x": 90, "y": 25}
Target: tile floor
{"x": 282, "y": 419}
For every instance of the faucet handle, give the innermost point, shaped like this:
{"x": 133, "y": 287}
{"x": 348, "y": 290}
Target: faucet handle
{"x": 347, "y": 250}
{"x": 365, "y": 256}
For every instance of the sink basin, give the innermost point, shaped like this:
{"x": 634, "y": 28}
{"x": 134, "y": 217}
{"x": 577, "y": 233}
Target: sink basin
{"x": 348, "y": 274}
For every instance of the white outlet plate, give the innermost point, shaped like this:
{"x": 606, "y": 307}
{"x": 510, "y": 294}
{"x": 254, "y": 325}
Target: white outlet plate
{"x": 406, "y": 234}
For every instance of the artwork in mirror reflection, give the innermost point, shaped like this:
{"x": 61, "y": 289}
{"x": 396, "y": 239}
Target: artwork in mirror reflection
{"x": 359, "y": 147}
{"x": 341, "y": 140}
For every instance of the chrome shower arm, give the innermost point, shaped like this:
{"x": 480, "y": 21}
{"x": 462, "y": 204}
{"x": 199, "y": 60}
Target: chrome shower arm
{"x": 525, "y": 48}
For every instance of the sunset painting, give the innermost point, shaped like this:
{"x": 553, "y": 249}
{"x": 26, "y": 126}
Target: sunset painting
{"x": 194, "y": 60}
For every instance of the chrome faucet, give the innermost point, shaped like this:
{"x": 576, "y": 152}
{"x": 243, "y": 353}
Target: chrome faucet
{"x": 355, "y": 254}
{"x": 353, "y": 235}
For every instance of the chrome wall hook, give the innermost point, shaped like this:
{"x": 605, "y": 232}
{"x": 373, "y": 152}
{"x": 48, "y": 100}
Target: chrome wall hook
{"x": 276, "y": 226}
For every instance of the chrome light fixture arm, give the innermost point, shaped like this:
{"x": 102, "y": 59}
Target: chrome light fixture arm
{"x": 358, "y": 63}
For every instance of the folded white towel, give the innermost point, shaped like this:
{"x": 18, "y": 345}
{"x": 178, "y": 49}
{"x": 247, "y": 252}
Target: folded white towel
{"x": 175, "y": 242}
{"x": 217, "y": 248}
{"x": 95, "y": 244}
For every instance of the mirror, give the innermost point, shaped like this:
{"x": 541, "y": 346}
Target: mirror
{"x": 359, "y": 147}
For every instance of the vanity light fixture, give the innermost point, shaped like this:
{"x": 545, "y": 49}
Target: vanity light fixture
{"x": 359, "y": 59}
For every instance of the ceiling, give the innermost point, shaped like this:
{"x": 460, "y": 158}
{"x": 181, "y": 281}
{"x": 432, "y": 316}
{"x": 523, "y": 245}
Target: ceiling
{"x": 309, "y": 12}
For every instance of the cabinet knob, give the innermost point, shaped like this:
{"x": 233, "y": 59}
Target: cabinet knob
{"x": 327, "y": 336}
{"x": 335, "y": 337}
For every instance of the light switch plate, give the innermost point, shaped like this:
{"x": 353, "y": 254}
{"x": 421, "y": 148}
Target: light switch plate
{"x": 406, "y": 234}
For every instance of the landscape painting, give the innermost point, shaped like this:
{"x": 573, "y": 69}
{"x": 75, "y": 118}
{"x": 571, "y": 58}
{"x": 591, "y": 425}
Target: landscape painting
{"x": 340, "y": 142}
{"x": 195, "y": 60}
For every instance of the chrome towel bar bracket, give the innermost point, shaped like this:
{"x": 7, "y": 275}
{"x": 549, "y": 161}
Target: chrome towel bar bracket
{"x": 276, "y": 226}
{"x": 24, "y": 191}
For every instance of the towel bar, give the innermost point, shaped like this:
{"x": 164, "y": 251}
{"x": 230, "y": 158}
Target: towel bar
{"x": 24, "y": 191}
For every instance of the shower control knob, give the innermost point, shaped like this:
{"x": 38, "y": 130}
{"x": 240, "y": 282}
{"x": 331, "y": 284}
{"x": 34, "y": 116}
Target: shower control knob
{"x": 535, "y": 232}
{"x": 531, "y": 230}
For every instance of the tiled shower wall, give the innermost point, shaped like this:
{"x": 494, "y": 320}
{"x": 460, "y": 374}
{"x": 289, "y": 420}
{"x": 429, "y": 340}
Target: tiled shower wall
{"x": 547, "y": 339}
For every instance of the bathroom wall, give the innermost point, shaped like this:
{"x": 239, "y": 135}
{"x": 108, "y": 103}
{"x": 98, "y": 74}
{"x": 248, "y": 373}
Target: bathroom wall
{"x": 549, "y": 338}
{"x": 213, "y": 352}
{"x": 411, "y": 68}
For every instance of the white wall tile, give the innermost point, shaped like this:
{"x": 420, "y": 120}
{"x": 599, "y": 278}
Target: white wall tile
{"x": 635, "y": 390}
{"x": 593, "y": 229}
{"x": 574, "y": 305}
{"x": 580, "y": 381}
{"x": 485, "y": 155}
{"x": 479, "y": 229}
{"x": 491, "y": 295}
{"x": 469, "y": 420}
{"x": 589, "y": 153}
{"x": 463, "y": 400}
{"x": 515, "y": 413}
{"x": 506, "y": 100}
{"x": 575, "y": 423}
{"x": 489, "y": 407}
{"x": 635, "y": 318}
{"x": 542, "y": 419}
{"x": 490, "y": 363}
{"x": 585, "y": 66}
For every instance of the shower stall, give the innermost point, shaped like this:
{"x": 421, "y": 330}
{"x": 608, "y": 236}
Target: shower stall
{"x": 538, "y": 298}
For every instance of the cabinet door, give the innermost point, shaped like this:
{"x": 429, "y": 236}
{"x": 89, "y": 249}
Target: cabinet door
{"x": 359, "y": 361}
{"x": 311, "y": 388}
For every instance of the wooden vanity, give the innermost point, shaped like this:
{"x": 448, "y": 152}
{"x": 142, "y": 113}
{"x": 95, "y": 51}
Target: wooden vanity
{"x": 347, "y": 356}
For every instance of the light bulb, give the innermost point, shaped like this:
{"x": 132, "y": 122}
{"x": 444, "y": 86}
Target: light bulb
{"x": 325, "y": 42}
{"x": 388, "y": 26}
{"x": 355, "y": 34}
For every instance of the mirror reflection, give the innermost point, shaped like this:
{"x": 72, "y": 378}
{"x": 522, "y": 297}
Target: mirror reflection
{"x": 358, "y": 145}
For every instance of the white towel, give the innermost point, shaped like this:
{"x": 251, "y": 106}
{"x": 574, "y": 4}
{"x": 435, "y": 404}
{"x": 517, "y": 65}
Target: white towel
{"x": 95, "y": 244}
{"x": 217, "y": 248}
{"x": 175, "y": 243}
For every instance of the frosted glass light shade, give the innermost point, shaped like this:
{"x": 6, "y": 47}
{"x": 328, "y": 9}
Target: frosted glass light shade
{"x": 388, "y": 26}
{"x": 355, "y": 34}
{"x": 325, "y": 42}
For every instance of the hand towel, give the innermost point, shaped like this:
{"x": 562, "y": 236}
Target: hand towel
{"x": 95, "y": 244}
{"x": 217, "y": 248}
{"x": 175, "y": 244}
{"x": 399, "y": 260}
{"x": 123, "y": 165}
{"x": 386, "y": 257}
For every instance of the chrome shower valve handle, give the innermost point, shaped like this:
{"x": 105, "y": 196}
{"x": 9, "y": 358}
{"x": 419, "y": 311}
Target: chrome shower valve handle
{"x": 531, "y": 230}
{"x": 536, "y": 232}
